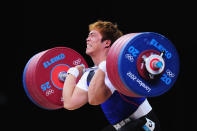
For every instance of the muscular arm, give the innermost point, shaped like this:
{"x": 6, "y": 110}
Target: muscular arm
{"x": 74, "y": 97}
{"x": 98, "y": 92}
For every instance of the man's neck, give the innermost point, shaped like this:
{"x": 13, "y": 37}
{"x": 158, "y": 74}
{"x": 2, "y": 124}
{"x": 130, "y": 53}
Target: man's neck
{"x": 99, "y": 58}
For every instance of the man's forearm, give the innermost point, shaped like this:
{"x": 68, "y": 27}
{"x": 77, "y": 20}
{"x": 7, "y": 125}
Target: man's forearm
{"x": 98, "y": 92}
{"x": 70, "y": 82}
{"x": 68, "y": 88}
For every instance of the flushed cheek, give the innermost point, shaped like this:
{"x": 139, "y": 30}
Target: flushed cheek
{"x": 92, "y": 39}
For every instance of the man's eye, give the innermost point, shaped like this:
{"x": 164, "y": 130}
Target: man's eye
{"x": 91, "y": 34}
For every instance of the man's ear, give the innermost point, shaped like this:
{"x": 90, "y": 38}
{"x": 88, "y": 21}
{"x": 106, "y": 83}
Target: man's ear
{"x": 107, "y": 43}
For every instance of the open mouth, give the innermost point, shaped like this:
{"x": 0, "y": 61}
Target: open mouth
{"x": 88, "y": 46}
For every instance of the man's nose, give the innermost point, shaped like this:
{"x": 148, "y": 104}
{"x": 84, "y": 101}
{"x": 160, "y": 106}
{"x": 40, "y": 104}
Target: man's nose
{"x": 87, "y": 39}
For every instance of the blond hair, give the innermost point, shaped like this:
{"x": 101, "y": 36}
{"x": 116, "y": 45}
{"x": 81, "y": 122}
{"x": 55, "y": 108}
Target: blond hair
{"x": 108, "y": 30}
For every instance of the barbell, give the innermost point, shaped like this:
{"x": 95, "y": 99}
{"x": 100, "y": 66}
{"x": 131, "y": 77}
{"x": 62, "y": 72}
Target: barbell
{"x": 138, "y": 65}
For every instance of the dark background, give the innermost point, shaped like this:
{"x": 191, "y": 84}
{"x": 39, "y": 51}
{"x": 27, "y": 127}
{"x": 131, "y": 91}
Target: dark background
{"x": 50, "y": 24}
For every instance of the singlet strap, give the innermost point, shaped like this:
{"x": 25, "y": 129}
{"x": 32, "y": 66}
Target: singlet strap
{"x": 90, "y": 75}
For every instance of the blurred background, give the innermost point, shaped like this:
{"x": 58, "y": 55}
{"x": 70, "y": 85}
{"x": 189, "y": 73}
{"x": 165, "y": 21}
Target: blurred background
{"x": 49, "y": 24}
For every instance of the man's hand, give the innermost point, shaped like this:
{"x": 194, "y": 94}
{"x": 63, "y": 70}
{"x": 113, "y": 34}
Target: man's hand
{"x": 77, "y": 71}
{"x": 81, "y": 69}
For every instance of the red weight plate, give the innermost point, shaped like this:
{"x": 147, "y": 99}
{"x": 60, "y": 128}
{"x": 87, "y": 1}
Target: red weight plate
{"x": 45, "y": 70}
{"x": 125, "y": 89}
{"x": 52, "y": 58}
{"x": 121, "y": 85}
{"x": 111, "y": 59}
{"x": 30, "y": 74}
{"x": 110, "y": 62}
{"x": 113, "y": 69}
{"x": 30, "y": 82}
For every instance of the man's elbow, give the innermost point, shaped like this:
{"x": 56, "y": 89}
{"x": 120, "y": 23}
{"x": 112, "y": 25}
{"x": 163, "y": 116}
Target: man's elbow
{"x": 93, "y": 101}
{"x": 69, "y": 106}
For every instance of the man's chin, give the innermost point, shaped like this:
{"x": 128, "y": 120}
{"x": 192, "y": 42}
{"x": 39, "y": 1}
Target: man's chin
{"x": 87, "y": 52}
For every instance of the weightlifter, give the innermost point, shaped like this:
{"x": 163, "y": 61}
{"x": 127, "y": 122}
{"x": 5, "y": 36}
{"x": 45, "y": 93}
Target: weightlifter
{"x": 123, "y": 113}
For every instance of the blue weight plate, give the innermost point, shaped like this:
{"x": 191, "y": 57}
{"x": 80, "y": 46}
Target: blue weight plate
{"x": 128, "y": 69}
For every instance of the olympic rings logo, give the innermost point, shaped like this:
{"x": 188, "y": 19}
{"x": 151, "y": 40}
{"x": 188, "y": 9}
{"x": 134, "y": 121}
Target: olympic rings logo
{"x": 129, "y": 57}
{"x": 77, "y": 62}
{"x": 169, "y": 73}
{"x": 49, "y": 92}
{"x": 62, "y": 99}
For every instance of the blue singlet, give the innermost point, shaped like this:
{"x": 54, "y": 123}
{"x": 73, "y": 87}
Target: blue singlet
{"x": 118, "y": 106}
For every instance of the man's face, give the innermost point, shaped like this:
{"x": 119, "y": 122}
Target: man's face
{"x": 94, "y": 43}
